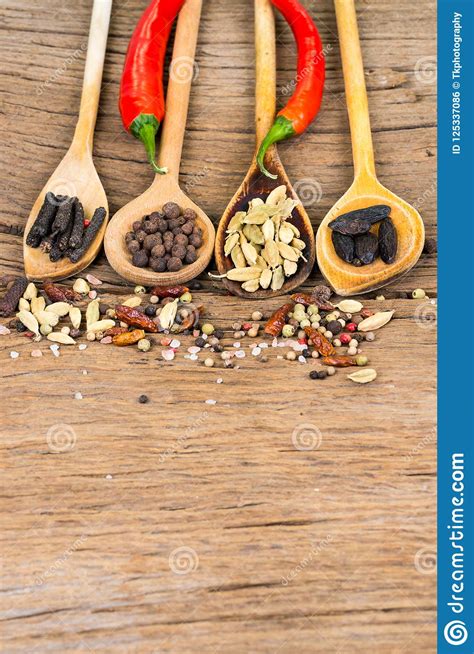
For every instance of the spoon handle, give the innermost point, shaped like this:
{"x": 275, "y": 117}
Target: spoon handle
{"x": 181, "y": 75}
{"x": 99, "y": 29}
{"x": 265, "y": 55}
{"x": 356, "y": 93}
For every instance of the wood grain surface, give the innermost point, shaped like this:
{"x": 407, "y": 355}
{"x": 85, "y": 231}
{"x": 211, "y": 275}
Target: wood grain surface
{"x": 180, "y": 526}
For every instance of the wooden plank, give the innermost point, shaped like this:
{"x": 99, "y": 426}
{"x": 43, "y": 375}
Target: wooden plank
{"x": 319, "y": 550}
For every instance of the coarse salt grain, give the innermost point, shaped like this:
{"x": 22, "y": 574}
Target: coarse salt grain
{"x": 168, "y": 355}
{"x": 256, "y": 351}
{"x": 54, "y": 349}
{"x": 78, "y": 396}
{"x": 194, "y": 349}
{"x": 302, "y": 359}
{"x": 219, "y": 381}
{"x": 175, "y": 343}
{"x": 14, "y": 355}
{"x": 193, "y": 357}
{"x": 236, "y": 344}
{"x": 4, "y": 330}
{"x": 211, "y": 401}
{"x": 82, "y": 346}
{"x": 106, "y": 340}
{"x": 240, "y": 354}
{"x": 263, "y": 345}
{"x": 36, "y": 353}
{"x": 108, "y": 477}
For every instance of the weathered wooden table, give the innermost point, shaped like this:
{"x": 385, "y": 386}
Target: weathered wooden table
{"x": 181, "y": 526}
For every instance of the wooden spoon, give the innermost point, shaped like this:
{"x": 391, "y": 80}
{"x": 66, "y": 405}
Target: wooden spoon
{"x": 76, "y": 174}
{"x": 255, "y": 183}
{"x": 365, "y": 190}
{"x": 165, "y": 188}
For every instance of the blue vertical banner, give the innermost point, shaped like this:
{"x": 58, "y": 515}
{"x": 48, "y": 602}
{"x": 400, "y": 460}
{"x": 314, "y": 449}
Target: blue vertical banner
{"x": 456, "y": 298}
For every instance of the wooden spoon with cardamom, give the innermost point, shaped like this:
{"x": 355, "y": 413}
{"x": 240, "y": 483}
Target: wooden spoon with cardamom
{"x": 366, "y": 190}
{"x": 255, "y": 184}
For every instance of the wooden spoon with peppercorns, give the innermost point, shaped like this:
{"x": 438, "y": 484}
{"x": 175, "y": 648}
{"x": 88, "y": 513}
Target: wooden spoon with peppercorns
{"x": 164, "y": 200}
{"x": 366, "y": 191}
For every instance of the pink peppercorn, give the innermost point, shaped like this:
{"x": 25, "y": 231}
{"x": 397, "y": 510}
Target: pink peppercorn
{"x": 247, "y": 326}
{"x": 345, "y": 338}
{"x": 351, "y": 327}
{"x": 302, "y": 341}
{"x": 165, "y": 341}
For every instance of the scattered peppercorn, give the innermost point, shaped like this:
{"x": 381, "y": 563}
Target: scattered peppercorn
{"x": 143, "y": 399}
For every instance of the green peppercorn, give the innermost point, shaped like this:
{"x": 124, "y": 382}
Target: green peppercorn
{"x": 186, "y": 297}
{"x": 144, "y": 345}
{"x": 361, "y": 360}
{"x": 418, "y": 294}
{"x": 207, "y": 328}
{"x": 288, "y": 331}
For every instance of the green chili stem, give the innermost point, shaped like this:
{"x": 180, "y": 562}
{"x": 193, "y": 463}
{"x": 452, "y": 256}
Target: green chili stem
{"x": 145, "y": 128}
{"x": 281, "y": 129}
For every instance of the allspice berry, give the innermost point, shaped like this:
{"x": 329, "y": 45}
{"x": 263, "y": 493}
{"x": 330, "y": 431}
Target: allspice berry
{"x": 174, "y": 264}
{"x": 140, "y": 259}
{"x": 171, "y": 210}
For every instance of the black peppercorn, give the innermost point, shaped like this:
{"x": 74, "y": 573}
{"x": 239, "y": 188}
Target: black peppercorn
{"x": 313, "y": 374}
{"x": 334, "y": 326}
{"x": 322, "y": 374}
{"x": 200, "y": 342}
{"x": 143, "y": 399}
{"x": 150, "y": 310}
{"x": 218, "y": 333}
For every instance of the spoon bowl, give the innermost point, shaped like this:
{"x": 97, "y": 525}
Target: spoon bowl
{"x": 366, "y": 190}
{"x": 165, "y": 188}
{"x": 76, "y": 174}
{"x": 347, "y": 279}
{"x": 255, "y": 183}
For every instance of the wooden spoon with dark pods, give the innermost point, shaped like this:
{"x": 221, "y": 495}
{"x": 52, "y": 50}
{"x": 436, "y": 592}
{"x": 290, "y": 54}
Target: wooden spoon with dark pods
{"x": 366, "y": 190}
{"x": 255, "y": 184}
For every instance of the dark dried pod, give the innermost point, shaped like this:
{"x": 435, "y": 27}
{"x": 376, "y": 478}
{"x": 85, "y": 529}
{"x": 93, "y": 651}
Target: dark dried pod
{"x": 77, "y": 232}
{"x": 42, "y": 225}
{"x": 89, "y": 235}
{"x": 366, "y": 248}
{"x": 9, "y": 302}
{"x": 348, "y": 221}
{"x": 388, "y": 241}
{"x": 64, "y": 216}
{"x": 344, "y": 246}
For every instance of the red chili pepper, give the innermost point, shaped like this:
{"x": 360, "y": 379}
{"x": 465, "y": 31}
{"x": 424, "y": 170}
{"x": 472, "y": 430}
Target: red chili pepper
{"x": 277, "y": 320}
{"x": 304, "y": 104}
{"x": 169, "y": 291}
{"x": 142, "y": 103}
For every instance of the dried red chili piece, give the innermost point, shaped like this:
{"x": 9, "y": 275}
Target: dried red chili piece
{"x": 277, "y": 320}
{"x": 114, "y": 331}
{"x": 135, "y": 318}
{"x": 169, "y": 291}
{"x": 59, "y": 293}
{"x": 320, "y": 342}
{"x": 9, "y": 302}
{"x": 128, "y": 338}
{"x": 341, "y": 361}
{"x": 306, "y": 299}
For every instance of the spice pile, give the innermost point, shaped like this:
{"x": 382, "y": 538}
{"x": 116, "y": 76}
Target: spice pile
{"x": 308, "y": 327}
{"x": 61, "y": 229}
{"x": 264, "y": 245}
{"x": 165, "y": 240}
{"x": 356, "y": 244}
